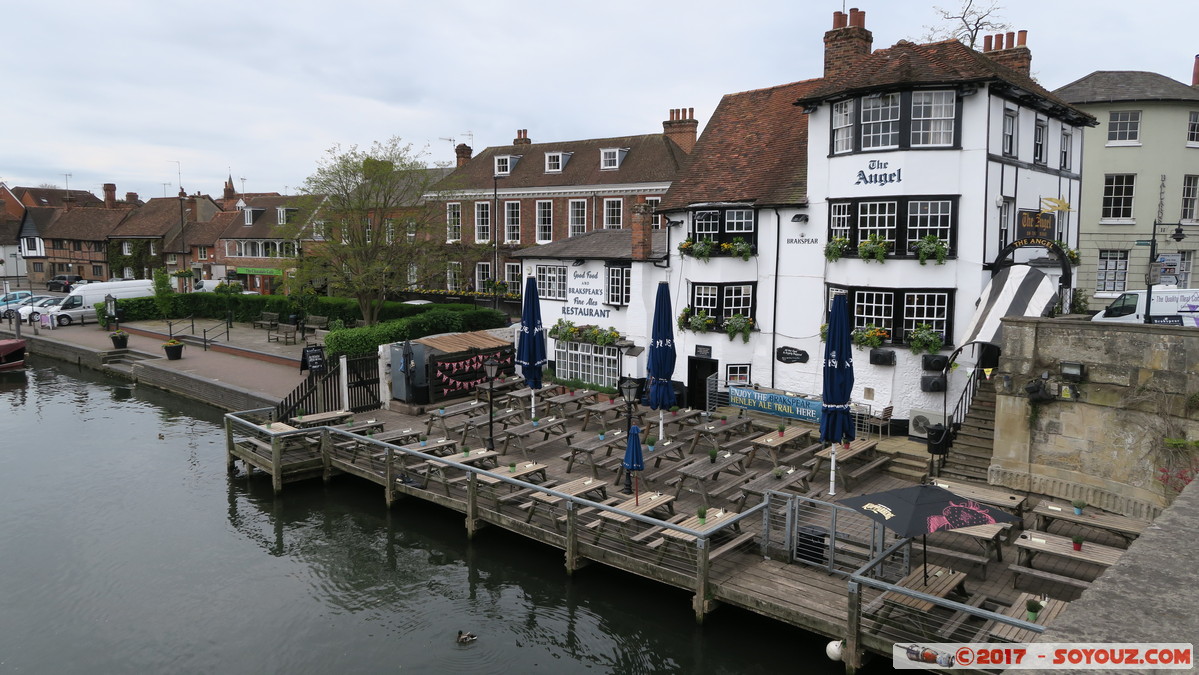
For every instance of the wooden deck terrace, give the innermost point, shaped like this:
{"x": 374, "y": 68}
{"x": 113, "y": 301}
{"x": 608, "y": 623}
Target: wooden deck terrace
{"x": 757, "y": 559}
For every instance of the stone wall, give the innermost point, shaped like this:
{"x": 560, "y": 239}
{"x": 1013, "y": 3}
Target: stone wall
{"x": 1102, "y": 446}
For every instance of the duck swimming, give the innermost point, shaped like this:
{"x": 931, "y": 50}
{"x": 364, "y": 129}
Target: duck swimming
{"x": 464, "y": 638}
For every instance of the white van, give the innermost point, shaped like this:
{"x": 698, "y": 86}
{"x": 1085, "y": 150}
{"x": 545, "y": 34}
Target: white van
{"x": 1170, "y": 306}
{"x": 80, "y": 304}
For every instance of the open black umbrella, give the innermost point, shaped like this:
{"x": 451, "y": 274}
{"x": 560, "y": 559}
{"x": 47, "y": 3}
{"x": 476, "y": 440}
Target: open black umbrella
{"x": 920, "y": 509}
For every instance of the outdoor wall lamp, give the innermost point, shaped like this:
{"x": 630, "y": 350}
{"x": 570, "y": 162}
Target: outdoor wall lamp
{"x": 799, "y": 218}
{"x": 1071, "y": 371}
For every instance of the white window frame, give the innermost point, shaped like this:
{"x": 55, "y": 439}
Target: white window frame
{"x": 1124, "y": 128}
{"x": 453, "y": 276}
{"x": 482, "y": 222}
{"x": 930, "y": 307}
{"x": 930, "y": 217}
{"x": 482, "y": 275}
{"x": 613, "y": 213}
{"x": 413, "y": 274}
{"x": 553, "y": 162}
{"x": 1122, "y": 187}
{"x": 653, "y": 203}
{"x": 153, "y": 249}
{"x": 933, "y": 115}
{"x": 1190, "y": 198}
{"x": 544, "y": 221}
{"x": 1010, "y": 140}
{"x": 881, "y": 121}
{"x": 1193, "y": 129}
{"x": 389, "y": 230}
{"x": 875, "y": 307}
{"x": 736, "y": 374}
{"x": 512, "y": 222}
{"x": 610, "y": 159}
{"x": 551, "y": 282}
{"x": 1007, "y": 221}
{"x": 840, "y": 214}
{"x": 126, "y": 248}
{"x": 1066, "y": 151}
{"x": 503, "y": 165}
{"x": 577, "y": 217}
{"x": 843, "y": 126}
{"x": 1040, "y": 152}
{"x": 202, "y": 253}
{"x": 453, "y": 222}
{"x": 512, "y": 277}
{"x": 172, "y": 259}
{"x": 878, "y": 217}
{"x": 593, "y": 364}
{"x": 620, "y": 287}
{"x": 1111, "y": 271}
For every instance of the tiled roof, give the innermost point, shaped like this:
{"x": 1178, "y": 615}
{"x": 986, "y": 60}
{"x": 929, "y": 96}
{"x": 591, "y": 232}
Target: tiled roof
{"x": 155, "y": 218}
{"x": 652, "y": 158}
{"x": 1103, "y": 86}
{"x": 56, "y": 197}
{"x": 908, "y": 64}
{"x": 265, "y": 223}
{"x": 597, "y": 245}
{"x": 202, "y": 234}
{"x": 90, "y": 224}
{"x": 754, "y": 149}
{"x": 8, "y": 232}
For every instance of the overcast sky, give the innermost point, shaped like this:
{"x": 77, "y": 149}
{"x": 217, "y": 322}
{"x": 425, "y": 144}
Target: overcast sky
{"x": 119, "y": 91}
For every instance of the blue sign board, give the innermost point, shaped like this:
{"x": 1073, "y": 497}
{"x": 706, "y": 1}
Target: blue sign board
{"x": 795, "y": 407}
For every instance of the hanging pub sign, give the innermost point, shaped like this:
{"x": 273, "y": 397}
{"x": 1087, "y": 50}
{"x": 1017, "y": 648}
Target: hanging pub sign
{"x": 790, "y": 355}
{"x": 1036, "y": 225}
{"x": 313, "y": 359}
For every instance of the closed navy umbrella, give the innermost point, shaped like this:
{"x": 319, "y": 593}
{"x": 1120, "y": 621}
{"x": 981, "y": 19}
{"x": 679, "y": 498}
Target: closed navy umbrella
{"x": 633, "y": 460}
{"x": 660, "y": 362}
{"x": 530, "y": 353}
{"x": 836, "y": 422}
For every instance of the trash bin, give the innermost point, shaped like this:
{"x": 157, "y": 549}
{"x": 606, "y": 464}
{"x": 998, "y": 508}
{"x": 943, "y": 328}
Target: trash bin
{"x": 938, "y": 439}
{"x": 293, "y": 319}
{"x": 811, "y": 544}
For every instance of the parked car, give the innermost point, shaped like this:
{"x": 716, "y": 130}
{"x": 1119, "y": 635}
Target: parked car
{"x": 9, "y": 302}
{"x": 34, "y": 310}
{"x": 121, "y": 279}
{"x": 63, "y": 282}
{"x": 80, "y": 305}
{"x": 8, "y": 310}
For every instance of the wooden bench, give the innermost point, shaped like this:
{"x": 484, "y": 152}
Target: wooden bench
{"x": 1017, "y": 570}
{"x": 853, "y": 475}
{"x": 670, "y": 469}
{"x": 959, "y": 617}
{"x": 793, "y": 458}
{"x": 610, "y": 501}
{"x": 267, "y": 320}
{"x": 725, "y": 548}
{"x": 532, "y": 447}
{"x": 314, "y": 323}
{"x": 285, "y": 333}
{"x": 973, "y": 559}
{"x": 657, "y": 529}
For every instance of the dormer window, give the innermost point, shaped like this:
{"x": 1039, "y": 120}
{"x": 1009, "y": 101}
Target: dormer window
{"x": 610, "y": 158}
{"x": 556, "y": 161}
{"x": 504, "y": 164}
{"x": 249, "y": 216}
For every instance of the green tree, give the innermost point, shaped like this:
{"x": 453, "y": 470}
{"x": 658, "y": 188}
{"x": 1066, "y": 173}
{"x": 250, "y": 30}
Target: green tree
{"x": 373, "y": 231}
{"x": 163, "y": 292}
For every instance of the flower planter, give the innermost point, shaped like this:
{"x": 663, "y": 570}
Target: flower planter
{"x": 1077, "y": 545}
{"x": 120, "y": 341}
{"x": 1077, "y": 511}
{"x": 174, "y": 352}
{"x": 1032, "y": 616}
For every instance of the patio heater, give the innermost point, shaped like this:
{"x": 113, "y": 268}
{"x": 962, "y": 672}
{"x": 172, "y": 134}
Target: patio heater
{"x": 628, "y": 391}
{"x": 491, "y": 367}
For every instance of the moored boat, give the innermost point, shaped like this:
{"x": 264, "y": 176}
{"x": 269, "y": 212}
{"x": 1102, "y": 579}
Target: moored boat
{"x": 12, "y": 354}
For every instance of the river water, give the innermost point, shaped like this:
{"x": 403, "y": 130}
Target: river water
{"x": 125, "y": 548}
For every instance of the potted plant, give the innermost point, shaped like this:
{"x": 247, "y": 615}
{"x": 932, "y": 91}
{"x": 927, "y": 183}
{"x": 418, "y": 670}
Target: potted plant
{"x": 1033, "y": 607}
{"x": 603, "y": 432}
{"x": 724, "y": 419}
{"x": 702, "y": 512}
{"x": 923, "y": 339}
{"x": 174, "y": 349}
{"x": 511, "y": 467}
{"x": 930, "y": 246}
{"x": 782, "y": 428}
{"x": 778, "y": 472}
{"x": 674, "y": 410}
{"x": 441, "y": 411}
{"x": 712, "y": 455}
{"x": 738, "y": 324}
{"x": 836, "y": 248}
{"x": 650, "y": 442}
{"x": 424, "y": 440}
{"x": 536, "y": 421}
{"x": 120, "y": 339}
{"x": 873, "y": 247}
{"x": 466, "y": 451}
{"x": 869, "y": 335}
{"x": 1077, "y": 539}
{"x": 1078, "y": 505}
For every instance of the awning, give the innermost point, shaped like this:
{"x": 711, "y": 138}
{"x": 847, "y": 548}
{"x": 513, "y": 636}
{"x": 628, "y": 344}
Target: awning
{"x": 1019, "y": 290}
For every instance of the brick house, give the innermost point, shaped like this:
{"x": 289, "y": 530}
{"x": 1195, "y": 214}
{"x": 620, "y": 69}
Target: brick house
{"x": 526, "y": 193}
{"x": 254, "y": 247}
{"x": 156, "y": 235}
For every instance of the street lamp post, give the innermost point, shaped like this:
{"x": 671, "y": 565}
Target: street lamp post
{"x": 628, "y": 391}
{"x": 1149, "y": 281}
{"x": 492, "y": 368}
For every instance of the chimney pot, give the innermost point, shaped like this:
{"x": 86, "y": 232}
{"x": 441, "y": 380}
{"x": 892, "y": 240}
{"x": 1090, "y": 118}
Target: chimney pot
{"x": 840, "y": 20}
{"x": 1022, "y": 38}
{"x": 998, "y": 41}
{"x": 1010, "y": 40}
{"x": 1195, "y": 73}
{"x": 690, "y": 113}
{"x": 131, "y": 198}
{"x": 987, "y": 43}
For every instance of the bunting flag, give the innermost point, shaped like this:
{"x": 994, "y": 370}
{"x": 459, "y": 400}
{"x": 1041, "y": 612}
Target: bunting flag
{"x": 987, "y": 372}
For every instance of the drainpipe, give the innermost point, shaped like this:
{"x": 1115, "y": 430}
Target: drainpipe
{"x": 774, "y": 332}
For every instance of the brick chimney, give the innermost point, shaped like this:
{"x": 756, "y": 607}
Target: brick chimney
{"x": 463, "y": 152}
{"x": 110, "y": 195}
{"x": 847, "y": 43}
{"x": 681, "y": 128}
{"x": 131, "y": 198}
{"x": 1195, "y": 72}
{"x": 1009, "y": 50}
{"x": 522, "y": 137}
{"x": 643, "y": 233}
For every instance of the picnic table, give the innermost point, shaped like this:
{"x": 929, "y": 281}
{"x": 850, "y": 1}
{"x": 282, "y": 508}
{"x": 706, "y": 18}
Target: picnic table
{"x": 361, "y": 428}
{"x": 278, "y": 427}
{"x": 987, "y": 536}
{"x": 561, "y": 403}
{"x": 774, "y": 441}
{"x": 575, "y": 488}
{"x": 521, "y": 397}
{"x": 767, "y": 482}
{"x": 665, "y": 449}
{"x": 1005, "y": 500}
{"x": 478, "y": 423}
{"x": 438, "y": 417}
{"x": 640, "y": 505}
{"x": 600, "y": 411}
{"x": 593, "y": 442}
{"x": 319, "y": 419}
{"x": 398, "y": 436}
{"x": 942, "y": 582}
{"x": 716, "y": 433}
{"x": 844, "y": 455}
{"x": 1050, "y": 609}
{"x": 484, "y": 390}
{"x": 521, "y": 470}
{"x": 521, "y": 432}
{"x": 1127, "y": 528}
{"x": 681, "y": 418}
{"x": 435, "y": 471}
{"x": 712, "y": 521}
{"x": 1032, "y": 543}
{"x": 699, "y": 472}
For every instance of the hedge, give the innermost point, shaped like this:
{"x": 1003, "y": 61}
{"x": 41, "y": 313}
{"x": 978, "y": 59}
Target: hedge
{"x": 362, "y": 341}
{"x": 247, "y": 308}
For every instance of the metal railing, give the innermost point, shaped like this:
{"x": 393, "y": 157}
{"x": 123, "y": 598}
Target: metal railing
{"x": 188, "y": 320}
{"x": 211, "y": 333}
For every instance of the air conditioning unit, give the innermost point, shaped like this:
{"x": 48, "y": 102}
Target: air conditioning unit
{"x": 920, "y": 419}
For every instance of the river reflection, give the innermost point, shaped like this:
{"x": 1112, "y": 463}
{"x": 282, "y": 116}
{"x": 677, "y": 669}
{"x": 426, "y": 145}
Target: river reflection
{"x": 129, "y": 549}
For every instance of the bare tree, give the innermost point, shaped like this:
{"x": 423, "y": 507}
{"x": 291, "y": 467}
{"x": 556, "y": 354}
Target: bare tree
{"x": 966, "y": 22}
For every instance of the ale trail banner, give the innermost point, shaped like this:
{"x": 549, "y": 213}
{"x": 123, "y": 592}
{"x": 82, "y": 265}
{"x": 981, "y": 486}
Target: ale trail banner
{"x": 782, "y": 405}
